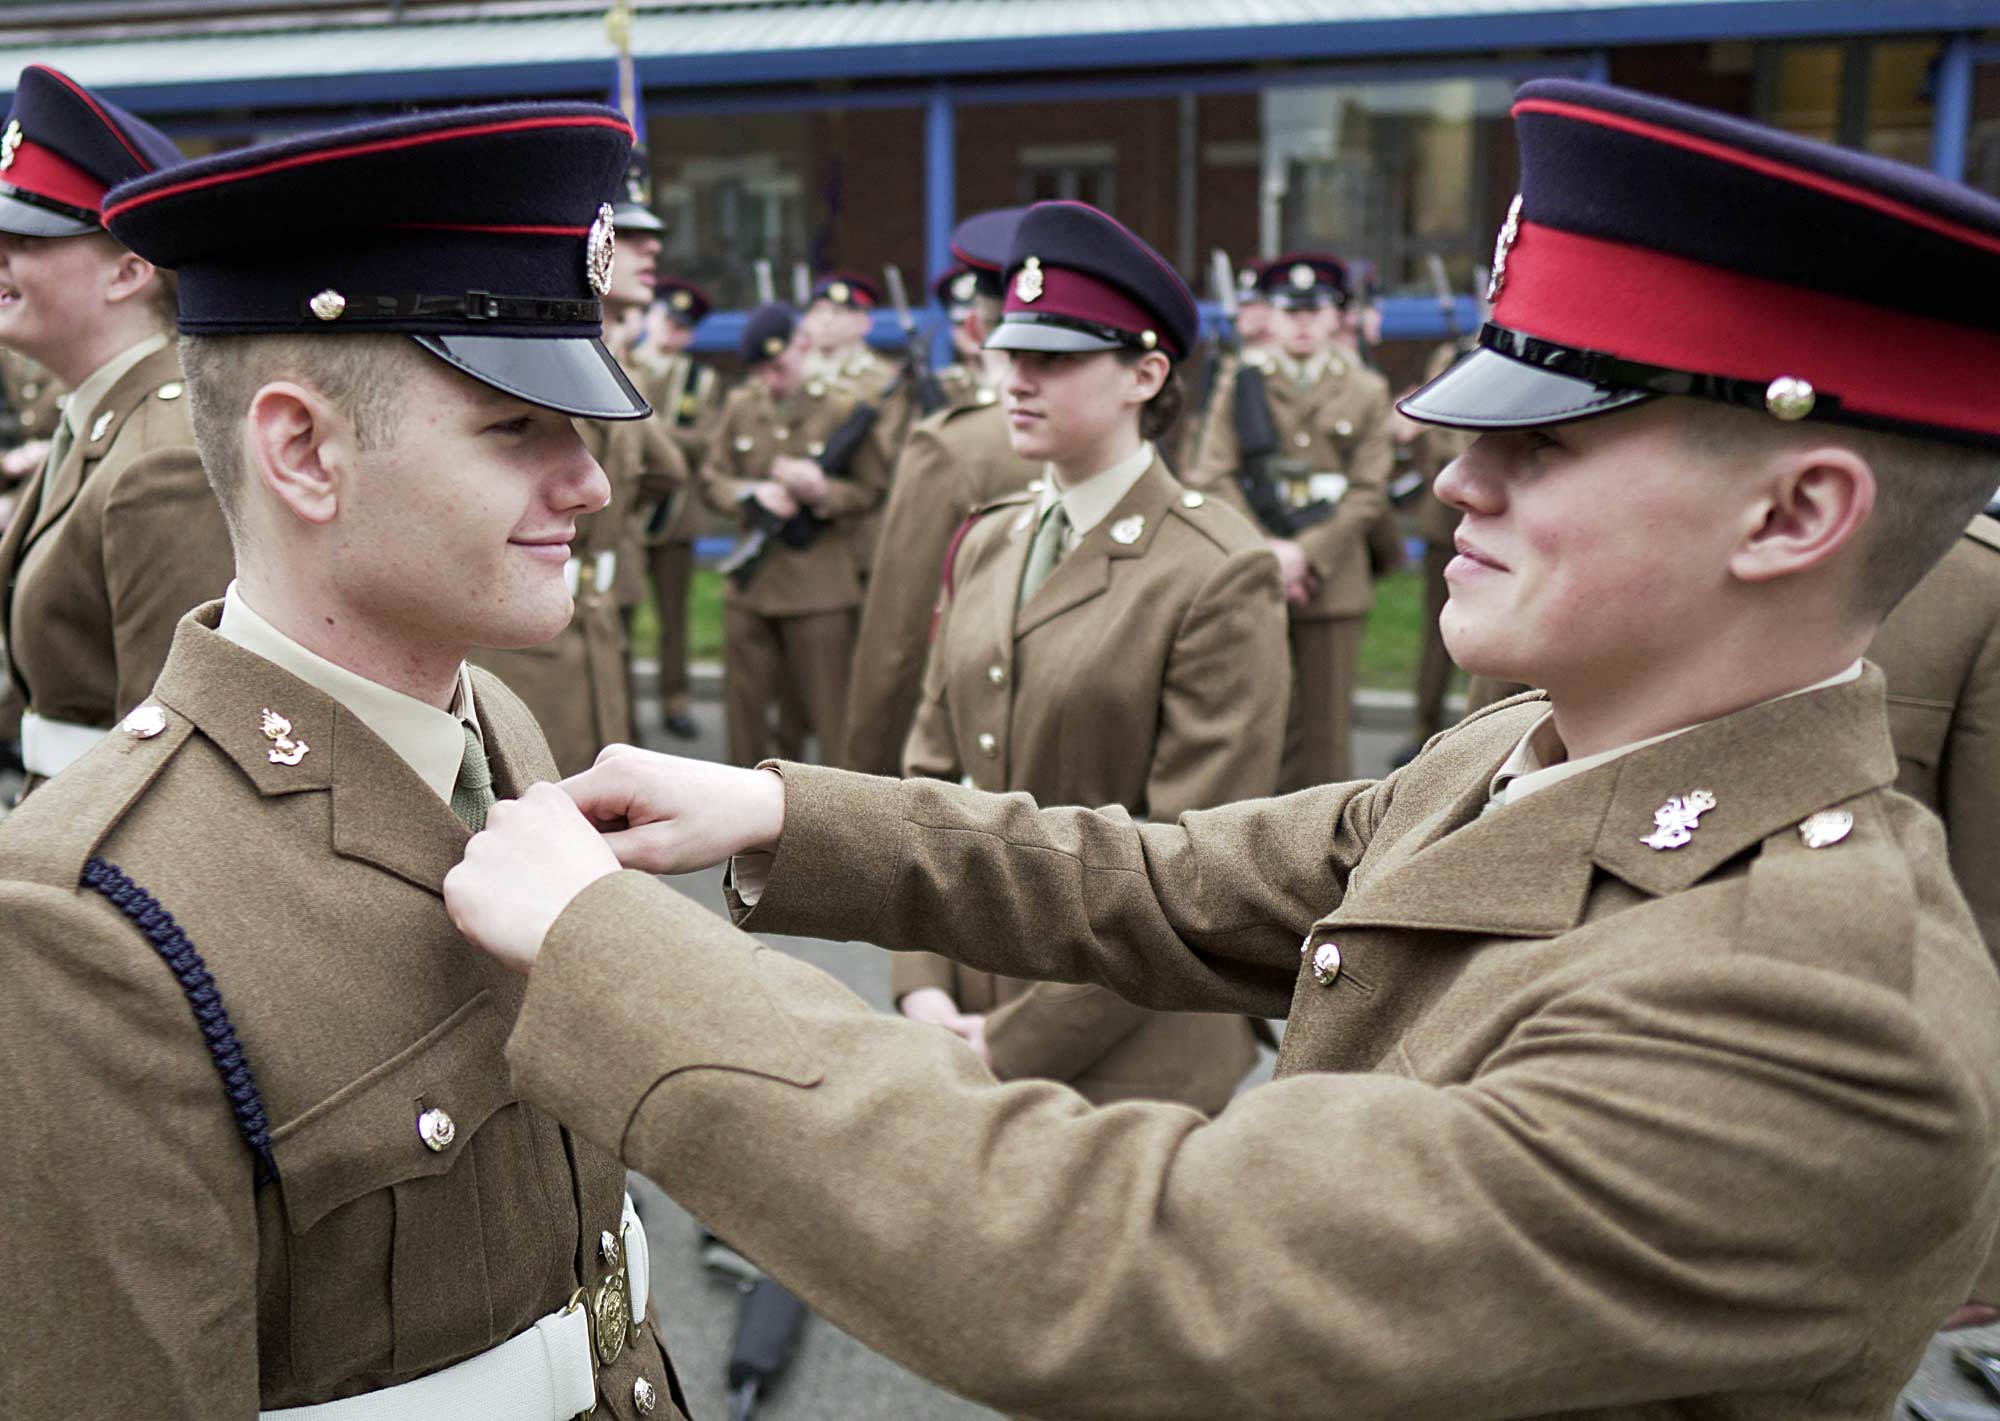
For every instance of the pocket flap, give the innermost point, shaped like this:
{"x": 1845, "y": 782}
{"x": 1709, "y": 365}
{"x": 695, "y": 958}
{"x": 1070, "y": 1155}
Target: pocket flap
{"x": 364, "y": 1137}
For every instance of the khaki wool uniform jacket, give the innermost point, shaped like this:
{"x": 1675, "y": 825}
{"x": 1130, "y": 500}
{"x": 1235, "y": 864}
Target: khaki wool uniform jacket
{"x": 953, "y": 462}
{"x": 34, "y": 398}
{"x": 1340, "y": 425}
{"x": 575, "y": 683}
{"x": 96, "y": 572}
{"x": 164, "y": 1278}
{"x": 753, "y": 432}
{"x": 1940, "y": 650}
{"x": 1148, "y": 674}
{"x": 1578, "y": 1128}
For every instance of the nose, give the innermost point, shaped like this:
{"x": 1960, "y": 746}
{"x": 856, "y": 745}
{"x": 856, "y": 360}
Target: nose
{"x": 578, "y": 484}
{"x": 1020, "y": 380}
{"x": 1474, "y": 482}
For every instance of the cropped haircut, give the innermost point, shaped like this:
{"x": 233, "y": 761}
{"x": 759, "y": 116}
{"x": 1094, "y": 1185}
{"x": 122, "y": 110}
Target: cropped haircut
{"x": 1926, "y": 490}
{"x": 363, "y": 375}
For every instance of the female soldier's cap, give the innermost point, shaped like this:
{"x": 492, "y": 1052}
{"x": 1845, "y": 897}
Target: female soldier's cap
{"x": 956, "y": 288}
{"x": 687, "y": 304}
{"x": 1657, "y": 249}
{"x": 62, "y": 149}
{"x": 982, "y": 241}
{"x": 844, "y": 288}
{"x": 1303, "y": 281}
{"x": 766, "y": 332}
{"x": 484, "y": 234}
{"x": 1079, "y": 281}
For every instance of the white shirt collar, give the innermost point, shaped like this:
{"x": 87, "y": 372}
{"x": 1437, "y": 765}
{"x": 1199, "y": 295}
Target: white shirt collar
{"x": 1536, "y": 761}
{"x": 431, "y": 741}
{"x": 1090, "y": 502}
{"x": 91, "y": 390}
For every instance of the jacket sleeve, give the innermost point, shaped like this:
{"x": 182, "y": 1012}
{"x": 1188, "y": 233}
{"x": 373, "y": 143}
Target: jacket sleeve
{"x": 166, "y": 551}
{"x": 1336, "y": 1235}
{"x": 1058, "y": 1030}
{"x": 132, "y": 1237}
{"x": 931, "y": 748}
{"x": 663, "y": 470}
{"x": 1222, "y": 708}
{"x": 724, "y": 483}
{"x": 863, "y": 488}
{"x": 1345, "y": 534}
{"x": 925, "y": 508}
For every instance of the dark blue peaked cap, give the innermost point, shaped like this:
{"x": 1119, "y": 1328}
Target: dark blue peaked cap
{"x": 1078, "y": 280}
{"x": 486, "y": 234}
{"x": 1659, "y": 249}
{"x": 766, "y": 333}
{"x": 62, "y": 149}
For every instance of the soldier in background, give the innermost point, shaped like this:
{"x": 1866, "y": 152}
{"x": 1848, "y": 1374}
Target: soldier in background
{"x": 30, "y": 404}
{"x": 969, "y": 379}
{"x": 952, "y": 462}
{"x": 687, "y": 397}
{"x": 1431, "y": 447}
{"x": 1316, "y": 490}
{"x": 788, "y": 612}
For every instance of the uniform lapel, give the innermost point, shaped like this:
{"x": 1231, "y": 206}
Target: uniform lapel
{"x": 88, "y": 444}
{"x": 1085, "y": 571}
{"x": 382, "y": 813}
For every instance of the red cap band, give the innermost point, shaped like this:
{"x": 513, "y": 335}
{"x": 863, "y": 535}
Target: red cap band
{"x": 1582, "y": 291}
{"x": 46, "y": 173}
{"x": 1085, "y": 298}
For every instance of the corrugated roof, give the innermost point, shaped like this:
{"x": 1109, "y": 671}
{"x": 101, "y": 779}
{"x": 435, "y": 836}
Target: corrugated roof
{"x": 717, "y": 44}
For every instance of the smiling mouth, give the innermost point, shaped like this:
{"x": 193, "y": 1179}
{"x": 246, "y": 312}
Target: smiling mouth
{"x": 10, "y": 295}
{"x": 1471, "y": 553}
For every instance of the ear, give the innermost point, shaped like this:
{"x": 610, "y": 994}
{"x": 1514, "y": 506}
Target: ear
{"x": 1148, "y": 375}
{"x": 131, "y": 275}
{"x": 299, "y": 448}
{"x": 1814, "y": 502}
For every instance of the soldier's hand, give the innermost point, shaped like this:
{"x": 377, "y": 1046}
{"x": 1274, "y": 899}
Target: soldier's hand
{"x": 802, "y": 478}
{"x": 774, "y": 497}
{"x": 519, "y": 873}
{"x": 1294, "y": 571}
{"x": 665, "y": 814}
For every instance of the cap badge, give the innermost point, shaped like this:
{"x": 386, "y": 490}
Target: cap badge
{"x": 839, "y": 293}
{"x": 773, "y": 345}
{"x": 1510, "y": 230}
{"x": 1302, "y": 277}
{"x": 278, "y": 730}
{"x": 601, "y": 249}
{"x": 9, "y": 141}
{"x": 1126, "y": 531}
{"x": 1789, "y": 398}
{"x": 1825, "y": 828}
{"x": 1677, "y": 819}
{"x": 964, "y": 286}
{"x": 681, "y": 301}
{"x": 1028, "y": 285}
{"x": 328, "y": 305}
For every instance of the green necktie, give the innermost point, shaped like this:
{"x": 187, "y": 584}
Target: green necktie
{"x": 58, "y": 451}
{"x": 473, "y": 795}
{"x": 1047, "y": 550}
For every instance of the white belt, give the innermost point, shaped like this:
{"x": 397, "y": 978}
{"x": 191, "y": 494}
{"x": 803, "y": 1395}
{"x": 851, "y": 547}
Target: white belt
{"x": 48, "y": 747}
{"x": 603, "y": 570}
{"x": 543, "y": 1374}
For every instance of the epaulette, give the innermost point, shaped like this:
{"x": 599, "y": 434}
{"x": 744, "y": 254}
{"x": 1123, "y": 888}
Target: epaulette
{"x": 1985, "y": 529}
{"x": 1229, "y": 534}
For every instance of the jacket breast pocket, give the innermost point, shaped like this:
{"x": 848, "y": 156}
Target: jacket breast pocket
{"x": 421, "y": 1202}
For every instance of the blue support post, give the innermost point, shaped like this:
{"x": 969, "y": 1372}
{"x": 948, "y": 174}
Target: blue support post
{"x": 1951, "y": 116}
{"x": 940, "y": 203}
{"x": 1597, "y": 69}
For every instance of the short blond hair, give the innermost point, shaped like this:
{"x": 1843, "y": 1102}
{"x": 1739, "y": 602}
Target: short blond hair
{"x": 1926, "y": 489}
{"x": 362, "y": 374}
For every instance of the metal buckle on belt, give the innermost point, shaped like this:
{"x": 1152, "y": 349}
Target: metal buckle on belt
{"x": 608, "y": 1313}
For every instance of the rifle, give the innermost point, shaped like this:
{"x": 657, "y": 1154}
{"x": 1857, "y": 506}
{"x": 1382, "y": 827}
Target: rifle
{"x": 803, "y": 528}
{"x": 768, "y": 1324}
{"x": 1258, "y": 467}
{"x": 767, "y": 288}
{"x": 930, "y": 395}
{"x": 802, "y": 286}
{"x": 1222, "y": 286}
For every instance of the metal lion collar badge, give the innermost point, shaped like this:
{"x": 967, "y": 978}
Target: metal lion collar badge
{"x": 285, "y": 751}
{"x": 1676, "y": 820}
{"x": 601, "y": 250}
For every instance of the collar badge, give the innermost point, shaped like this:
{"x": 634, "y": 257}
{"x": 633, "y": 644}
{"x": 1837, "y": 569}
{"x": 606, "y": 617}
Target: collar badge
{"x": 1126, "y": 531}
{"x": 1510, "y": 231}
{"x": 1677, "y": 819}
{"x": 601, "y": 250}
{"x": 278, "y": 730}
{"x": 1028, "y": 285}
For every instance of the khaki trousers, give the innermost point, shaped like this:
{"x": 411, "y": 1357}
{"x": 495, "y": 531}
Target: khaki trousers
{"x": 764, "y": 657}
{"x": 671, "y": 566}
{"x": 1319, "y": 728}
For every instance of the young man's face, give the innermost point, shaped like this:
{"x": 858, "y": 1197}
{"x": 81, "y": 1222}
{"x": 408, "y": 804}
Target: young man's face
{"x": 670, "y": 335}
{"x": 1589, "y": 551}
{"x": 634, "y": 271}
{"x": 1305, "y": 332}
{"x": 858, "y": 323}
{"x": 52, "y": 291}
{"x": 825, "y": 325}
{"x": 1253, "y": 323}
{"x": 453, "y": 533}
{"x": 786, "y": 371}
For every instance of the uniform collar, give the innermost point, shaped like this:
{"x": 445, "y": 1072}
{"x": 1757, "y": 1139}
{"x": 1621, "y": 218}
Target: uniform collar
{"x": 1090, "y": 502}
{"x": 1537, "y": 760}
{"x": 1304, "y": 372}
{"x": 90, "y": 391}
{"x": 429, "y": 740}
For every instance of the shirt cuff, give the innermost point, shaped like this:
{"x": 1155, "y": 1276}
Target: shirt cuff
{"x": 748, "y": 873}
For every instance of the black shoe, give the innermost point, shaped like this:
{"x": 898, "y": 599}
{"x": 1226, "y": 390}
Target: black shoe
{"x": 682, "y": 727}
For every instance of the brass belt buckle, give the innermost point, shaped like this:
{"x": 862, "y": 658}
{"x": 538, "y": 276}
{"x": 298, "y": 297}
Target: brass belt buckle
{"x": 611, "y": 1312}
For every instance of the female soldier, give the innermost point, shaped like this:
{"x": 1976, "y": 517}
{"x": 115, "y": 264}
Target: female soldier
{"x": 1111, "y": 638}
{"x": 117, "y": 534}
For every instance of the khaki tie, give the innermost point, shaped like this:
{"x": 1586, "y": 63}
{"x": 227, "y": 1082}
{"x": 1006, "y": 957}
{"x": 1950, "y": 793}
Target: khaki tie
{"x": 1046, "y": 552}
{"x": 473, "y": 795}
{"x": 58, "y": 451}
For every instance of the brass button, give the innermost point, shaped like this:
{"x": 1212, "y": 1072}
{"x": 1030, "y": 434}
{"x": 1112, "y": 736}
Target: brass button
{"x": 1326, "y": 964}
{"x": 1302, "y": 439}
{"x": 986, "y": 397}
{"x": 987, "y": 743}
{"x": 607, "y": 1248}
{"x": 1343, "y": 427}
{"x": 1191, "y": 499}
{"x": 144, "y": 723}
{"x": 816, "y": 448}
{"x": 436, "y": 1129}
{"x": 172, "y": 390}
{"x": 744, "y": 444}
{"x": 816, "y": 389}
{"x": 1826, "y": 828}
{"x": 781, "y": 433}
{"x": 1338, "y": 367}
{"x": 644, "y": 1397}
{"x": 997, "y": 674}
